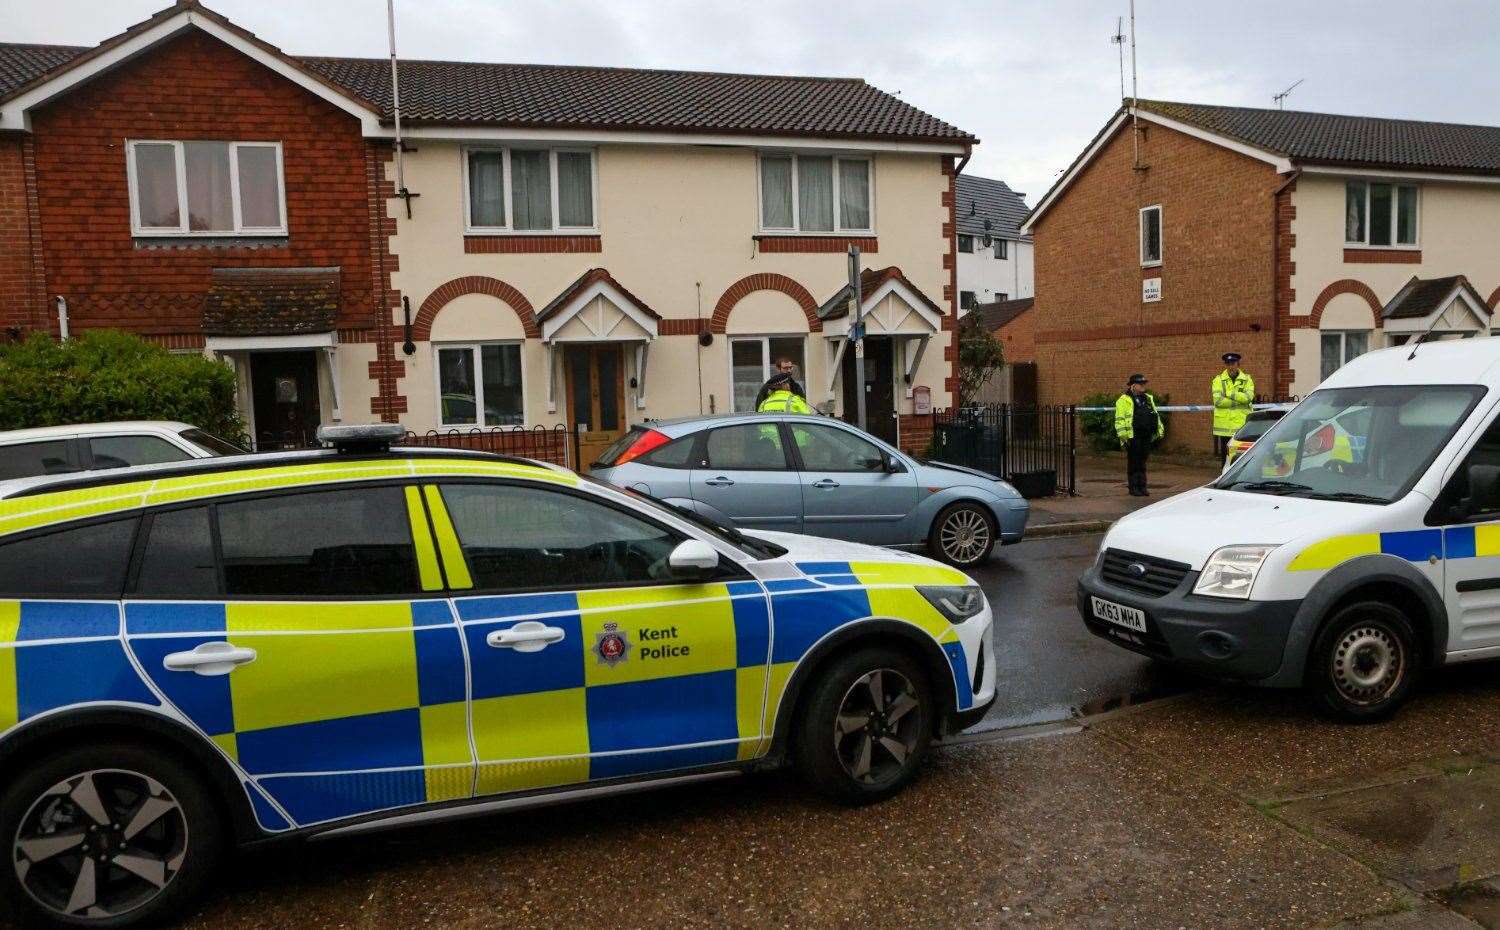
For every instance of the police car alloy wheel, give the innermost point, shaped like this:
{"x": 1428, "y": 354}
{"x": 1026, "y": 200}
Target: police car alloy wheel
{"x": 865, "y": 726}
{"x": 1365, "y": 662}
{"x": 963, "y": 534}
{"x": 108, "y": 836}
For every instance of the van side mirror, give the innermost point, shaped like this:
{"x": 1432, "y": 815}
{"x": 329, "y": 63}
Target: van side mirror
{"x": 693, "y": 558}
{"x": 1484, "y": 489}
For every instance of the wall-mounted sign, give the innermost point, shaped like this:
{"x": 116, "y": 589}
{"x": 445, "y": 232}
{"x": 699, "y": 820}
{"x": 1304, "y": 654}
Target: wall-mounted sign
{"x": 1150, "y": 290}
{"x": 921, "y": 400}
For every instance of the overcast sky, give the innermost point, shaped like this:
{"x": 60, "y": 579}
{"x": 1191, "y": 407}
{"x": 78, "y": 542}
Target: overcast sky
{"x": 1033, "y": 79}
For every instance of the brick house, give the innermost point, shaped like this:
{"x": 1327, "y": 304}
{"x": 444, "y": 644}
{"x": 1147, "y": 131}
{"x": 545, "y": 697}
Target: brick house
{"x": 587, "y": 246}
{"x": 1014, "y": 325}
{"x": 1297, "y": 239}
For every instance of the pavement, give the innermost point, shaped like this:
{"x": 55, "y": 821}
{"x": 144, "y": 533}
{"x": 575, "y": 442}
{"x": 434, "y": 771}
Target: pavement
{"x": 1101, "y": 497}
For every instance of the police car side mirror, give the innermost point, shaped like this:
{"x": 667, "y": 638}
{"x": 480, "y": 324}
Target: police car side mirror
{"x": 1484, "y": 488}
{"x": 693, "y": 558}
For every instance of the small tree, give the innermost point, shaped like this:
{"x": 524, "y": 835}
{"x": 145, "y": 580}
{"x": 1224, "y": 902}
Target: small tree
{"x": 104, "y": 376}
{"x": 980, "y": 355}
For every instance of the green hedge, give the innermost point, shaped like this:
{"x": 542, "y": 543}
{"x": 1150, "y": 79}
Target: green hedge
{"x": 103, "y": 376}
{"x": 1099, "y": 428}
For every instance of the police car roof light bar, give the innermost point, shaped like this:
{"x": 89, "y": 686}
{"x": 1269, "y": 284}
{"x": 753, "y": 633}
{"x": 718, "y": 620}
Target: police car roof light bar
{"x": 363, "y": 437}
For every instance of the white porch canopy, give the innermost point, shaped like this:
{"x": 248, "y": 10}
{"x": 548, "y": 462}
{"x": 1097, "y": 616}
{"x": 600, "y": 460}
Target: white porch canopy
{"x": 890, "y": 306}
{"x": 597, "y": 309}
{"x": 1437, "y": 305}
{"x": 326, "y": 344}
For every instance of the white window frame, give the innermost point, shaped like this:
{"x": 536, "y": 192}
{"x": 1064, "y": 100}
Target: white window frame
{"x": 1344, "y": 335}
{"x": 796, "y": 228}
{"x": 959, "y": 244}
{"x": 474, "y": 347}
{"x": 1000, "y": 248}
{"x": 557, "y": 229}
{"x": 765, "y": 359}
{"x": 182, "y": 230}
{"x": 1395, "y": 211}
{"x": 1161, "y": 236}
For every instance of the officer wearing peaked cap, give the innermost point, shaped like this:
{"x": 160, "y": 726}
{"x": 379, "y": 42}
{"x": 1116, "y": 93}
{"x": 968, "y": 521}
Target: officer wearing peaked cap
{"x": 1138, "y": 424}
{"x": 1233, "y": 393}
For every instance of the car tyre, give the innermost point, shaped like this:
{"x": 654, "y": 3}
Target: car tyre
{"x": 865, "y": 726}
{"x": 963, "y": 534}
{"x": 110, "y": 835}
{"x": 1365, "y": 662}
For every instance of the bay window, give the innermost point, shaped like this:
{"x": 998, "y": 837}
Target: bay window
{"x": 205, "y": 188}
{"x": 753, "y": 359}
{"x": 1340, "y": 347}
{"x": 1380, "y": 214}
{"x": 529, "y": 190}
{"x": 815, "y": 194}
{"x": 480, "y": 385}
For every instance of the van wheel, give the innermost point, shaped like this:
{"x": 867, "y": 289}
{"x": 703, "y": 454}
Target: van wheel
{"x": 963, "y": 534}
{"x": 1364, "y": 662}
{"x": 866, "y": 726}
{"x": 109, "y": 835}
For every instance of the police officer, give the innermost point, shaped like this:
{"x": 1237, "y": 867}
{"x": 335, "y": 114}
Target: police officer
{"x": 1233, "y": 392}
{"x": 1138, "y": 424}
{"x": 781, "y": 393}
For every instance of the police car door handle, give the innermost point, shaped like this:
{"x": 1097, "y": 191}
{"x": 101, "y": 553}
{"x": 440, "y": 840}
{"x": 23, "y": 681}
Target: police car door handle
{"x": 527, "y": 636}
{"x": 719, "y": 482}
{"x": 218, "y": 658}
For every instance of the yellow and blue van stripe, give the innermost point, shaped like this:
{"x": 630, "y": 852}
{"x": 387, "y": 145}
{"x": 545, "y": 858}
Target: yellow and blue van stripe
{"x": 1457, "y": 542}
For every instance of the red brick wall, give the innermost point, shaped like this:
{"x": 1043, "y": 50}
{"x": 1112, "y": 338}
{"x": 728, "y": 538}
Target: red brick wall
{"x": 18, "y": 284}
{"x": 192, "y": 87}
{"x": 1091, "y": 328}
{"x": 1019, "y": 337}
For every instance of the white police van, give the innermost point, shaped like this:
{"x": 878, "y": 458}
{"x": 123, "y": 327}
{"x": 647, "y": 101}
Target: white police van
{"x": 1348, "y": 574}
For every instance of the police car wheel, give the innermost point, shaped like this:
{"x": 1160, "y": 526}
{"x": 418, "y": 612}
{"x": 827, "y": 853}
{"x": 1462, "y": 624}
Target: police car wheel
{"x": 1365, "y": 662}
{"x": 865, "y": 726}
{"x": 962, "y": 535}
{"x": 109, "y": 835}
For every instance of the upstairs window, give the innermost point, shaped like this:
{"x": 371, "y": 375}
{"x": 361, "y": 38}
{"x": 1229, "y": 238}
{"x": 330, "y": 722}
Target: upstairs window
{"x": 967, "y": 300}
{"x": 966, "y": 243}
{"x": 1379, "y": 214}
{"x": 1002, "y": 248}
{"x": 529, "y": 190}
{"x": 1151, "y": 235}
{"x": 815, "y": 194}
{"x": 206, "y": 188}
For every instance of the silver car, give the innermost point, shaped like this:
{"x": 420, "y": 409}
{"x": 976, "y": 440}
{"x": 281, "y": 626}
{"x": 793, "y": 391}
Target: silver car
{"x": 816, "y": 475}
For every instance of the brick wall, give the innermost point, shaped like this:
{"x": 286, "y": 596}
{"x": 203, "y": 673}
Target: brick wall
{"x": 18, "y": 286}
{"x": 192, "y": 87}
{"x": 1091, "y": 328}
{"x": 1019, "y": 337}
{"x": 916, "y": 433}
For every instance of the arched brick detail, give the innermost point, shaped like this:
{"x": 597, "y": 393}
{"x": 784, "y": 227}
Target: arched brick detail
{"x": 1494, "y": 298}
{"x": 1345, "y": 286}
{"x": 768, "y": 281}
{"x": 421, "y": 327}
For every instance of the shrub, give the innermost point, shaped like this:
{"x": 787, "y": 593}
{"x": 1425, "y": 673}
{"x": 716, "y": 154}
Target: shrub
{"x": 103, "y": 376}
{"x": 1099, "y": 427}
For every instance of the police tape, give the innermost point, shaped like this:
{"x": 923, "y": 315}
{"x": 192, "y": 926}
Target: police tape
{"x": 1185, "y": 408}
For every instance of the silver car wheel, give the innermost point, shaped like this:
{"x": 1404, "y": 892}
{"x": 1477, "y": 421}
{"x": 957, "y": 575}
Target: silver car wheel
{"x": 100, "y": 844}
{"x": 875, "y": 730}
{"x": 964, "y": 535}
{"x": 1368, "y": 664}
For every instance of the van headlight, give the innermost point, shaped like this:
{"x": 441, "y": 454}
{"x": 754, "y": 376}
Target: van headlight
{"x": 1231, "y": 571}
{"x": 958, "y": 602}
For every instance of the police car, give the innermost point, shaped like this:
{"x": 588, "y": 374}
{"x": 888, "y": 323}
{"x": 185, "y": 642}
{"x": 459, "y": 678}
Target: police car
{"x": 319, "y": 644}
{"x": 1356, "y": 544}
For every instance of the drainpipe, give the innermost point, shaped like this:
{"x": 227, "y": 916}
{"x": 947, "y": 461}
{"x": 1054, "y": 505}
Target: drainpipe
{"x": 62, "y": 317}
{"x": 1276, "y": 280}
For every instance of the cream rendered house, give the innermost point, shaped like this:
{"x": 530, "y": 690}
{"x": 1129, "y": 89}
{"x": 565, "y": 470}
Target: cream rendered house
{"x": 597, "y": 247}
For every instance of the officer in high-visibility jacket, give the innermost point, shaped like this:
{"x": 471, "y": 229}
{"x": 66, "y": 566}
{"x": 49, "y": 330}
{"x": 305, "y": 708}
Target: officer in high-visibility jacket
{"x": 1138, "y": 424}
{"x": 782, "y": 394}
{"x": 1233, "y": 393}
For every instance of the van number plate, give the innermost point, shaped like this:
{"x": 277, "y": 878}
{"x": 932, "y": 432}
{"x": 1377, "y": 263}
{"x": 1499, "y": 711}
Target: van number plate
{"x": 1128, "y": 617}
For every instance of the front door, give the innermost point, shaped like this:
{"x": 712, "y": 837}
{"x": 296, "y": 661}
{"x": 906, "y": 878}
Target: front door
{"x": 596, "y": 398}
{"x": 284, "y": 391}
{"x": 880, "y": 387}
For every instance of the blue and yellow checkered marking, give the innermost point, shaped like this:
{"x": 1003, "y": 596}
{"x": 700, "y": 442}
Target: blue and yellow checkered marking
{"x": 1459, "y": 542}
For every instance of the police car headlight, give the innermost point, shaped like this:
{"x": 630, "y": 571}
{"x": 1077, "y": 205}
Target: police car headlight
{"x": 1231, "y": 571}
{"x": 957, "y": 603}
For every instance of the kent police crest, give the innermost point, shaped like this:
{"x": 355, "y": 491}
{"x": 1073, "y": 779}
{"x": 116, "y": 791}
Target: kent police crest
{"x": 611, "y": 646}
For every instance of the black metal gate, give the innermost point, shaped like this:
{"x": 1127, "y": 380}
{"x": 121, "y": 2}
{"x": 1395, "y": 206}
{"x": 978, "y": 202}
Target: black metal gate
{"x": 1032, "y": 446}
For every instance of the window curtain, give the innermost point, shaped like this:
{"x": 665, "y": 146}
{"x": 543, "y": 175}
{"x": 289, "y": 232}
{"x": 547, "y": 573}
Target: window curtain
{"x": 1354, "y": 212}
{"x": 854, "y": 194}
{"x": 260, "y": 192}
{"x": 209, "y": 207}
{"x": 575, "y": 189}
{"x": 815, "y": 194}
{"x": 486, "y": 189}
{"x": 531, "y": 189}
{"x": 156, "y": 186}
{"x": 776, "y": 193}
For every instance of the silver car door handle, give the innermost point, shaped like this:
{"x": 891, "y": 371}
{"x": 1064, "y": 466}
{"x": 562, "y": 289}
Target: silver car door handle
{"x": 825, "y": 483}
{"x": 218, "y": 658}
{"x": 527, "y": 636}
{"x": 719, "y": 482}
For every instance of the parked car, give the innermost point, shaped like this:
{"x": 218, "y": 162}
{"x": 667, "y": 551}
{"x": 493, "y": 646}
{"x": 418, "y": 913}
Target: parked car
{"x": 1255, "y": 426}
{"x": 1371, "y": 556}
{"x": 52, "y": 450}
{"x": 816, "y": 475}
{"x": 330, "y": 642}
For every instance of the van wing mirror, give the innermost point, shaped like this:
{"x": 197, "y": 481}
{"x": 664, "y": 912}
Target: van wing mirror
{"x": 693, "y": 558}
{"x": 1484, "y": 488}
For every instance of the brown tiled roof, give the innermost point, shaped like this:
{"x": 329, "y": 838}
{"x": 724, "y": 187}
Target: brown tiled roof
{"x": 271, "y": 301}
{"x": 22, "y": 64}
{"x": 586, "y": 280}
{"x": 1356, "y": 141}
{"x": 870, "y": 280}
{"x": 1000, "y": 312}
{"x": 1422, "y": 296}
